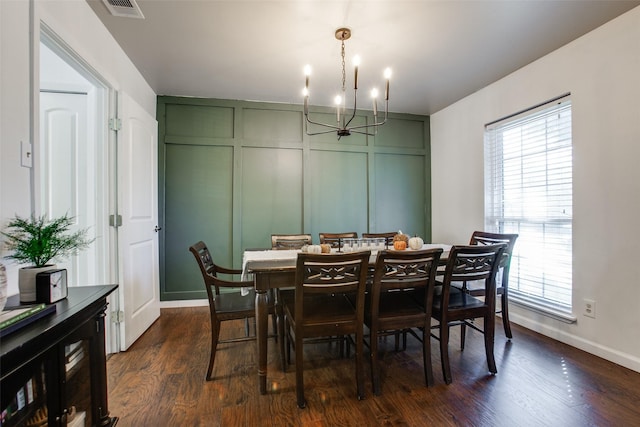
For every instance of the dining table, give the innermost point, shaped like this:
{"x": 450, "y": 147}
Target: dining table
{"x": 273, "y": 269}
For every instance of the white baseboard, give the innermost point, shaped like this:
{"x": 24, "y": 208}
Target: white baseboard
{"x": 615, "y": 356}
{"x": 185, "y": 303}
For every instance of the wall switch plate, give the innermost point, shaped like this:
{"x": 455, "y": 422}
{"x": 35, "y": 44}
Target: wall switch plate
{"x": 26, "y": 154}
{"x": 589, "y": 308}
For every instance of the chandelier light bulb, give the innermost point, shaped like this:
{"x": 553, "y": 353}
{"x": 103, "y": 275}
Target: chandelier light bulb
{"x": 374, "y": 96}
{"x": 307, "y": 73}
{"x": 387, "y": 73}
{"x": 305, "y": 92}
{"x": 337, "y": 100}
{"x": 356, "y": 61}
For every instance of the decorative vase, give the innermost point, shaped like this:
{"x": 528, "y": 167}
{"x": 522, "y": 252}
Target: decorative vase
{"x": 27, "y": 281}
{"x": 3, "y": 287}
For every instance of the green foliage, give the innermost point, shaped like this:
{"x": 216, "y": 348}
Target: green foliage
{"x": 38, "y": 240}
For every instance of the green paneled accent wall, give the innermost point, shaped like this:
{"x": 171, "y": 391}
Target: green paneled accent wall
{"x": 265, "y": 126}
{"x": 399, "y": 177}
{"x": 271, "y": 202}
{"x": 199, "y": 121}
{"x": 337, "y": 192}
{"x": 231, "y": 173}
{"x": 198, "y": 206}
{"x": 402, "y": 133}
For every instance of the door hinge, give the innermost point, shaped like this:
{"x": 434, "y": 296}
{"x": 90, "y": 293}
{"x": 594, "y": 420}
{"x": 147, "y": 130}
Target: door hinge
{"x": 115, "y": 124}
{"x": 115, "y": 220}
{"x": 117, "y": 316}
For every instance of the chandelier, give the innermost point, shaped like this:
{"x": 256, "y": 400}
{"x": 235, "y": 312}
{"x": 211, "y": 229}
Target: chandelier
{"x": 343, "y": 120}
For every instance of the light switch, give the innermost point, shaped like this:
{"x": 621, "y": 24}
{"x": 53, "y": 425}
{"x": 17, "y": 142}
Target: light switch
{"x": 26, "y": 154}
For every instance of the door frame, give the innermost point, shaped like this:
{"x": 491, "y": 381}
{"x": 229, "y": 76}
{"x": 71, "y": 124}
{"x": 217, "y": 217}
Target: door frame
{"x": 103, "y": 102}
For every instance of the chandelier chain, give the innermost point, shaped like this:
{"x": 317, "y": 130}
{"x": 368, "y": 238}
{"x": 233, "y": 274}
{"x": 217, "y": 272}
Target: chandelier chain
{"x": 344, "y": 74}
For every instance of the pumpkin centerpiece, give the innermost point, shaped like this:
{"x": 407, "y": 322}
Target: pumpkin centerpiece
{"x": 416, "y": 243}
{"x": 400, "y": 241}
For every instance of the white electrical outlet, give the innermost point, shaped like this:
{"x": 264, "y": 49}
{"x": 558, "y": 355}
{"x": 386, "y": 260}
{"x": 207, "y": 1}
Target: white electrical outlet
{"x": 589, "y": 308}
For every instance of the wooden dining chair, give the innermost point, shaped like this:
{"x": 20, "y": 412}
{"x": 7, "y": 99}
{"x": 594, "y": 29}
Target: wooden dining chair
{"x": 320, "y": 307}
{"x": 391, "y": 304}
{"x": 334, "y": 239}
{"x": 290, "y": 241}
{"x": 223, "y": 306}
{"x": 467, "y": 263}
{"x": 388, "y": 237}
{"x": 502, "y": 277}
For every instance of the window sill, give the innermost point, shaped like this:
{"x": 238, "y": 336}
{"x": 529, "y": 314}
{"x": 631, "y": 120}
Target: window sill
{"x": 546, "y": 310}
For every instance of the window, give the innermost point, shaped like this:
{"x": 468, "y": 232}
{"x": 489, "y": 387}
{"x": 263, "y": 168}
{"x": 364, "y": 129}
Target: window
{"x": 528, "y": 191}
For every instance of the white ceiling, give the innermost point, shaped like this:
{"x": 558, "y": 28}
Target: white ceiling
{"x": 440, "y": 51}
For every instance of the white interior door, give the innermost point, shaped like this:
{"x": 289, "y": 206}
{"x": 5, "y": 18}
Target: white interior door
{"x": 138, "y": 204}
{"x": 68, "y": 178}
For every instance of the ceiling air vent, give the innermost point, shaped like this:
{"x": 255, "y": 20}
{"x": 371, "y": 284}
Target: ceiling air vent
{"x": 124, "y": 8}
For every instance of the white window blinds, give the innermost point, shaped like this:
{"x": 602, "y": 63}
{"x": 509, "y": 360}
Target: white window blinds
{"x": 528, "y": 191}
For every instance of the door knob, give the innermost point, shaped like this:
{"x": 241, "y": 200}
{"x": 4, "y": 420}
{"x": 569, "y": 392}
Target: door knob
{"x": 157, "y": 229}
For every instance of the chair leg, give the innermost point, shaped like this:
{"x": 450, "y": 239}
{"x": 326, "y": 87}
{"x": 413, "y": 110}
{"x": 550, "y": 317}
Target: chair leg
{"x": 505, "y": 315}
{"x": 275, "y": 315}
{"x": 299, "y": 373}
{"x": 287, "y": 343}
{"x": 444, "y": 352}
{"x": 489, "y": 334}
{"x": 359, "y": 364}
{"x": 215, "y": 335}
{"x": 426, "y": 356}
{"x": 463, "y": 335}
{"x": 274, "y": 325}
{"x": 375, "y": 367}
{"x": 281, "y": 335}
{"x": 348, "y": 346}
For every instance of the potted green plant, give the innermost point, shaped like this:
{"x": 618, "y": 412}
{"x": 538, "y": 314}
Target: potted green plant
{"x": 39, "y": 241}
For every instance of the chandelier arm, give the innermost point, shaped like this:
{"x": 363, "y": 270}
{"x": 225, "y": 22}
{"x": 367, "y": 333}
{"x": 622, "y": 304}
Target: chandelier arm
{"x": 386, "y": 114}
{"x": 321, "y": 124}
{"x": 370, "y": 125}
{"x": 363, "y": 133}
{"x": 355, "y": 108}
{"x": 320, "y": 133}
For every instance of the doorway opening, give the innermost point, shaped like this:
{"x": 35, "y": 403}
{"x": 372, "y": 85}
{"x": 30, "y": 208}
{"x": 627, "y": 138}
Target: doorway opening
{"x": 74, "y": 169}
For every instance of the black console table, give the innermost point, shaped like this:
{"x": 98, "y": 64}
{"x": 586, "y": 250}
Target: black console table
{"x": 58, "y": 363}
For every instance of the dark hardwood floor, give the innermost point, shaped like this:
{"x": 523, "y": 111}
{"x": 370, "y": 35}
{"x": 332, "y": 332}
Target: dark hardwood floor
{"x": 160, "y": 381}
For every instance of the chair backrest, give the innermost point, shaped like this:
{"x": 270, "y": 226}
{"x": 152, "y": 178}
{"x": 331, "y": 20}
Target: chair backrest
{"x": 334, "y": 239}
{"x": 485, "y": 238}
{"x": 331, "y": 274}
{"x": 405, "y": 270}
{"x": 473, "y": 263}
{"x": 290, "y": 241}
{"x": 209, "y": 271}
{"x": 387, "y": 236}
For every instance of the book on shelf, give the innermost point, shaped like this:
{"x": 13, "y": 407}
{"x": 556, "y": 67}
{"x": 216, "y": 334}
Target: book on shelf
{"x": 69, "y": 349}
{"x": 75, "y": 360}
{"x": 14, "y": 318}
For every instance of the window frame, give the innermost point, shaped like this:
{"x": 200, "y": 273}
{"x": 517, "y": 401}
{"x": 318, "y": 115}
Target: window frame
{"x": 551, "y": 213}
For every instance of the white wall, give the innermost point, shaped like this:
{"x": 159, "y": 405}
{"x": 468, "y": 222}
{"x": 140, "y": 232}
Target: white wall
{"x": 602, "y": 72}
{"x": 76, "y": 23}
